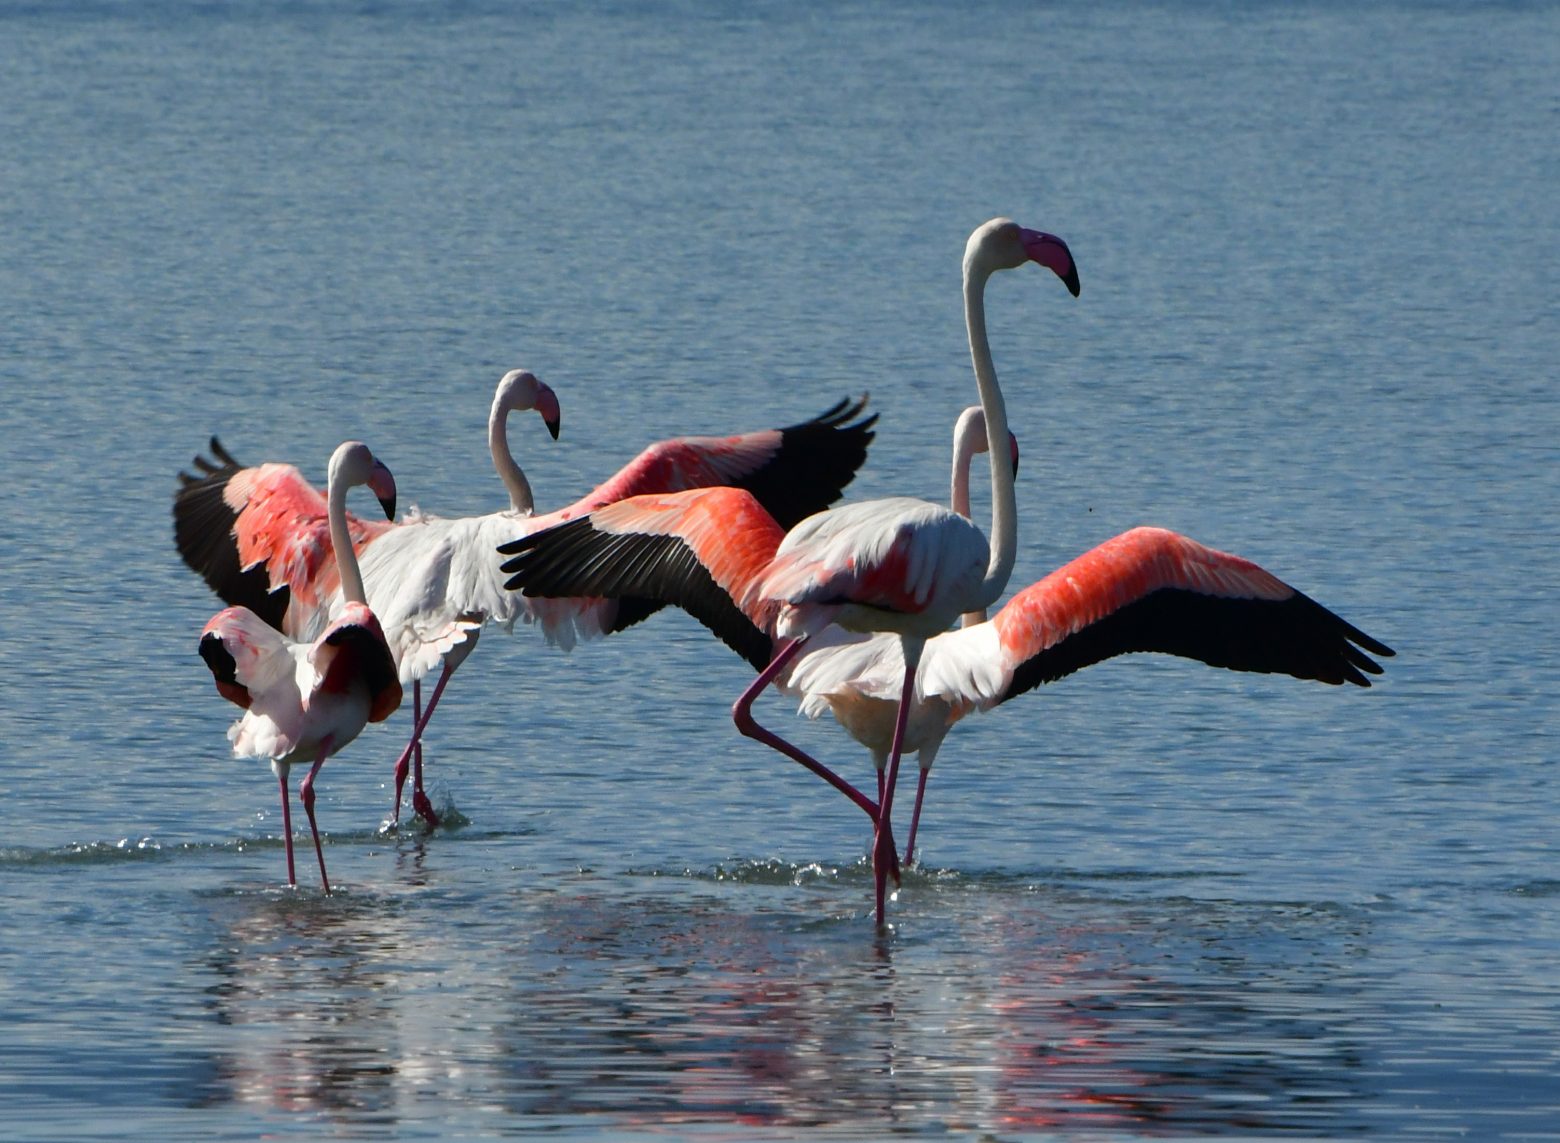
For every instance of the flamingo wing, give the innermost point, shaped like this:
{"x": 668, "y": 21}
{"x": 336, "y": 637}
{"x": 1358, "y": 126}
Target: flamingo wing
{"x": 793, "y": 472}
{"x": 703, "y": 550}
{"x": 260, "y": 538}
{"x": 353, "y": 647}
{"x": 249, "y": 659}
{"x": 1148, "y": 590}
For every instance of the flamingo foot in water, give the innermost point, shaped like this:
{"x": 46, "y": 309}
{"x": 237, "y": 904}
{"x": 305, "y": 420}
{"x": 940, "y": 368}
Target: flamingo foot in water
{"x": 424, "y": 809}
{"x": 885, "y": 864}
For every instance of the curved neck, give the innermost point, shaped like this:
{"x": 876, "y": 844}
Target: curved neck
{"x": 1004, "y": 507}
{"x": 959, "y": 497}
{"x": 341, "y": 541}
{"x": 520, "y": 498}
{"x": 963, "y": 454}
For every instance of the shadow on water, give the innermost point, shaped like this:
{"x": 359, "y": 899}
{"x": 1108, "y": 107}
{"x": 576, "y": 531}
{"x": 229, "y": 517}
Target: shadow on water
{"x": 653, "y": 1001}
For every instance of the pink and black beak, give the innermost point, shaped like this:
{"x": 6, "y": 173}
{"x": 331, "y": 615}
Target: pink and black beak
{"x": 1052, "y": 253}
{"x": 382, "y": 484}
{"x": 547, "y": 406}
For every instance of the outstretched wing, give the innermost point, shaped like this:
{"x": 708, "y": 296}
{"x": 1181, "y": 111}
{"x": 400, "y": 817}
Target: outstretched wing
{"x": 793, "y": 472}
{"x": 702, "y": 550}
{"x": 1148, "y": 590}
{"x": 260, "y": 538}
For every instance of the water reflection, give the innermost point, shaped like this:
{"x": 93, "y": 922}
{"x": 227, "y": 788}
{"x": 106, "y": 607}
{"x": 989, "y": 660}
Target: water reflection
{"x": 678, "y": 1014}
{"x": 666, "y": 1001}
{"x": 305, "y": 989}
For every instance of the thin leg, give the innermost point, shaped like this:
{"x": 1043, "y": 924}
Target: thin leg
{"x": 281, "y": 777}
{"x": 742, "y": 715}
{"x": 403, "y": 763}
{"x": 915, "y": 814}
{"x": 421, "y": 718}
{"x": 306, "y": 796}
{"x": 885, "y": 859}
{"x": 420, "y": 801}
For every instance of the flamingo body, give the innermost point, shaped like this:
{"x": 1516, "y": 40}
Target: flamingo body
{"x": 299, "y": 697}
{"x": 306, "y": 700}
{"x": 895, "y": 564}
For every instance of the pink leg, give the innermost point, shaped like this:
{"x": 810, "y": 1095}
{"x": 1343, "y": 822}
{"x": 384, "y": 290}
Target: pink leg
{"x": 742, "y": 715}
{"x": 281, "y": 777}
{"x": 420, "y": 720}
{"x": 306, "y": 796}
{"x": 403, "y": 763}
{"x": 915, "y": 814}
{"x": 885, "y": 859}
{"x": 420, "y": 801}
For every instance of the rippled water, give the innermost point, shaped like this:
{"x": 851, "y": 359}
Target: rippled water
{"x": 1316, "y": 328}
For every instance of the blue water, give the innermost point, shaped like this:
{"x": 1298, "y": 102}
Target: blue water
{"x": 1318, "y": 250}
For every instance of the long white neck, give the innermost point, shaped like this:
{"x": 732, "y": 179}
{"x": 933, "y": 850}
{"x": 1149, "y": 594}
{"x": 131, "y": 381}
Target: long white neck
{"x": 964, "y": 440}
{"x": 341, "y": 540}
{"x": 1004, "y": 506}
{"x": 520, "y": 498}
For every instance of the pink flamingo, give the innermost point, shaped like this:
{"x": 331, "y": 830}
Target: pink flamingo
{"x": 307, "y": 700}
{"x": 1146, "y": 590}
{"x": 899, "y": 565}
{"x": 258, "y": 537}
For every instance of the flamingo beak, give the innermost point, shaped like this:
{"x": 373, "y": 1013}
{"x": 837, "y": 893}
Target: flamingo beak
{"x": 1052, "y": 253}
{"x": 1013, "y": 447}
{"x": 382, "y": 483}
{"x": 547, "y": 406}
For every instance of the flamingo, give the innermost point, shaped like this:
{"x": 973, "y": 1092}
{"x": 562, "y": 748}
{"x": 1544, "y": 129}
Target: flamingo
{"x": 830, "y": 674}
{"x": 305, "y": 701}
{"x": 899, "y": 565}
{"x": 1146, "y": 590}
{"x": 258, "y": 537}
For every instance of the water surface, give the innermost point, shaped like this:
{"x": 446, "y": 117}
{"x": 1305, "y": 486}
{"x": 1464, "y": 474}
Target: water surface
{"x": 1316, "y": 328}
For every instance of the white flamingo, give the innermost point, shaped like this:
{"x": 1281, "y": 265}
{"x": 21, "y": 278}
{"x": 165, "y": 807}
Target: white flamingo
{"x": 305, "y": 701}
{"x": 898, "y": 565}
{"x": 258, "y": 536}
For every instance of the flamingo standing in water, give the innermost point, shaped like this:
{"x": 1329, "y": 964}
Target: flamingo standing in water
{"x": 898, "y": 565}
{"x": 1146, "y": 590}
{"x": 305, "y": 701}
{"x": 259, "y": 537}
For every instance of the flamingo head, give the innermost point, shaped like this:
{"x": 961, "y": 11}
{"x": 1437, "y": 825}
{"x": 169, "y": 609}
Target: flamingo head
{"x": 1002, "y": 244}
{"x": 354, "y": 464}
{"x": 519, "y": 389}
{"x": 970, "y": 429}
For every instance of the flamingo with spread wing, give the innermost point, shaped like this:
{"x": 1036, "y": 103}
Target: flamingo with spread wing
{"x": 305, "y": 701}
{"x": 258, "y": 536}
{"x": 898, "y": 565}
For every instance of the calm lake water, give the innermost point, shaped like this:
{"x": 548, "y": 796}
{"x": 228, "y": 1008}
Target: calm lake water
{"x": 1318, "y": 249}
